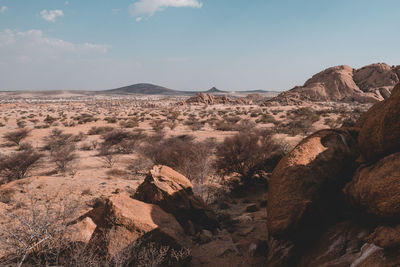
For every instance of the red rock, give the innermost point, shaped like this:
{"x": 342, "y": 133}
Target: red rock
{"x": 173, "y": 192}
{"x": 122, "y": 220}
{"x": 380, "y": 132}
{"x": 376, "y": 188}
{"x": 371, "y": 83}
{"x": 303, "y": 181}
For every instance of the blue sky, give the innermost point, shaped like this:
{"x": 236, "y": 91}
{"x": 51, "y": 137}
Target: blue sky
{"x": 189, "y": 44}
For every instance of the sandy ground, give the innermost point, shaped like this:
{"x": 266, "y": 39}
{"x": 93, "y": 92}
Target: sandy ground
{"x": 89, "y": 178}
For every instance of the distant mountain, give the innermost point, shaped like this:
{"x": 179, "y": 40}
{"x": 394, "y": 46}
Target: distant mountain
{"x": 140, "y": 89}
{"x": 143, "y": 88}
{"x": 215, "y": 90}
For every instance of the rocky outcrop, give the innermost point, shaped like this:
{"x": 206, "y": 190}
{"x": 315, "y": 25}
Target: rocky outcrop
{"x": 303, "y": 183}
{"x": 374, "y": 77}
{"x": 209, "y": 99}
{"x": 121, "y": 220}
{"x": 380, "y": 129}
{"x": 173, "y": 192}
{"x": 371, "y": 83}
{"x": 376, "y": 188}
{"x": 316, "y": 218}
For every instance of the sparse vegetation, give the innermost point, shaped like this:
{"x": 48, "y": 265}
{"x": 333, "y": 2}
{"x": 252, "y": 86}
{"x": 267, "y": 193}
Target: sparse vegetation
{"x": 248, "y": 152}
{"x": 15, "y": 137}
{"x": 17, "y": 165}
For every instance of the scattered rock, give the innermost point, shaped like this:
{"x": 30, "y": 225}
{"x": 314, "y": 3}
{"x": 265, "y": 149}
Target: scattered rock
{"x": 173, "y": 192}
{"x": 205, "y": 237}
{"x": 122, "y": 220}
{"x": 209, "y": 99}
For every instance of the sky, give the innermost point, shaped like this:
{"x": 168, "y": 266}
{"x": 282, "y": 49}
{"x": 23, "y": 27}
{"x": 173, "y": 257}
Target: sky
{"x": 189, "y": 44}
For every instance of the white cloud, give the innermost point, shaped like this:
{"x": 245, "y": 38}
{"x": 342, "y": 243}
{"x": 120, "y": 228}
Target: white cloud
{"x": 3, "y": 9}
{"x": 51, "y": 15}
{"x": 32, "y": 60}
{"x": 35, "y": 42}
{"x": 147, "y": 8}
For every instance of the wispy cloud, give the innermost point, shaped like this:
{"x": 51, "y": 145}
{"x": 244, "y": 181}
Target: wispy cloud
{"x": 51, "y": 15}
{"x": 46, "y": 62}
{"x": 3, "y": 9}
{"x": 66, "y": 3}
{"x": 35, "y": 40}
{"x": 146, "y": 8}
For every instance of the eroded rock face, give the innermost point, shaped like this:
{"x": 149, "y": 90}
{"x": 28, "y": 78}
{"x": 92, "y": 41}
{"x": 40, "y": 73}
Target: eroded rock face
{"x": 305, "y": 184}
{"x": 121, "y": 220}
{"x": 369, "y": 84}
{"x": 375, "y": 76}
{"x": 376, "y": 188}
{"x": 173, "y": 192}
{"x": 380, "y": 132}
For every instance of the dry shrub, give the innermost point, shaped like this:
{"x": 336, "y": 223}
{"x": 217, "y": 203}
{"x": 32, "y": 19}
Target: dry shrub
{"x": 17, "y": 165}
{"x": 131, "y": 123}
{"x": 6, "y": 195}
{"x": 296, "y": 127}
{"x": 15, "y": 137}
{"x": 100, "y": 130}
{"x": 39, "y": 236}
{"x": 158, "y": 125}
{"x": 62, "y": 149}
{"x": 35, "y": 236}
{"x": 120, "y": 142}
{"x": 141, "y": 166}
{"x": 183, "y": 154}
{"x": 301, "y": 121}
{"x": 248, "y": 152}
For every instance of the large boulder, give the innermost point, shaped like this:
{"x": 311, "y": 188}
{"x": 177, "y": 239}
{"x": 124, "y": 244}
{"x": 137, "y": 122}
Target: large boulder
{"x": 376, "y": 188}
{"x": 304, "y": 189}
{"x": 380, "y": 132}
{"x": 121, "y": 220}
{"x": 173, "y": 192}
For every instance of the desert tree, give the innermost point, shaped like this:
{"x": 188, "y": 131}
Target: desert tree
{"x": 62, "y": 149}
{"x": 15, "y": 137}
{"x": 17, "y": 165}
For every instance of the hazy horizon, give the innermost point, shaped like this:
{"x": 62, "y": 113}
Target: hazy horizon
{"x": 189, "y": 45}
